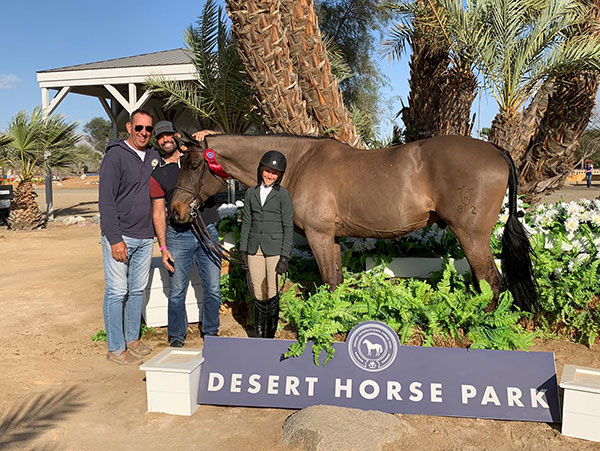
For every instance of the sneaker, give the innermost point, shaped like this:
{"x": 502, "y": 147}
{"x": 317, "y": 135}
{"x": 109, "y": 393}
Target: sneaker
{"x": 125, "y": 358}
{"x": 138, "y": 347}
{"x": 176, "y": 344}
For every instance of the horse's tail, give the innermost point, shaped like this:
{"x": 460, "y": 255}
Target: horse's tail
{"x": 517, "y": 268}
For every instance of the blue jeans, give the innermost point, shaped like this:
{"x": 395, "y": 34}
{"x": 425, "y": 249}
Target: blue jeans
{"x": 184, "y": 248}
{"x": 125, "y": 284}
{"x": 588, "y": 178}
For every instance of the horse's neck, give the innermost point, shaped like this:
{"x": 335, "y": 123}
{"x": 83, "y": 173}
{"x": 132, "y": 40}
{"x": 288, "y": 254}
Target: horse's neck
{"x": 240, "y": 154}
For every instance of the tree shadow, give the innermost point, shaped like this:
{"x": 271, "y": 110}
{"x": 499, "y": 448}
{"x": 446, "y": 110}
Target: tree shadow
{"x": 81, "y": 209}
{"x": 33, "y": 417}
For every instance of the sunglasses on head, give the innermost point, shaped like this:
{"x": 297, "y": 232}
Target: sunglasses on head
{"x": 139, "y": 128}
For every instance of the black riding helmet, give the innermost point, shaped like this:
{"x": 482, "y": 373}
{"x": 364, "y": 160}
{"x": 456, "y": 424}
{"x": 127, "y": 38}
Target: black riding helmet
{"x": 274, "y": 160}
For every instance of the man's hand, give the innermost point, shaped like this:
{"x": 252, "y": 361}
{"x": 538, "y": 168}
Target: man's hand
{"x": 119, "y": 251}
{"x": 199, "y": 136}
{"x": 166, "y": 258}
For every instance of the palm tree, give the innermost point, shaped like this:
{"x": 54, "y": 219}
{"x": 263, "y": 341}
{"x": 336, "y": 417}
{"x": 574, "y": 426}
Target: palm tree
{"x": 263, "y": 45}
{"x": 442, "y": 83}
{"x": 550, "y": 157}
{"x": 516, "y": 45}
{"x": 4, "y": 139}
{"x": 281, "y": 46}
{"x": 220, "y": 97}
{"x": 319, "y": 86}
{"x": 37, "y": 144}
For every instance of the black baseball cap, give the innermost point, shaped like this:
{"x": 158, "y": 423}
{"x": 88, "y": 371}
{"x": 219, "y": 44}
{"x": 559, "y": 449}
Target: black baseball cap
{"x": 163, "y": 127}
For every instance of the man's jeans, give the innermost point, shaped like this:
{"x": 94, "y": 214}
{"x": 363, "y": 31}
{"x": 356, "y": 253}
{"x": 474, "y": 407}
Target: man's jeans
{"x": 184, "y": 248}
{"x": 125, "y": 284}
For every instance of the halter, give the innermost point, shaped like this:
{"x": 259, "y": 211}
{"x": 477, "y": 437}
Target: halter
{"x": 199, "y": 227}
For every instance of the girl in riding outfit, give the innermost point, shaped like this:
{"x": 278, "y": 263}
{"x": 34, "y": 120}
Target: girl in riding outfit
{"x": 266, "y": 239}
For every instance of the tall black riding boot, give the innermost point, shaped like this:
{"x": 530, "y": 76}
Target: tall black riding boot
{"x": 260, "y": 317}
{"x": 272, "y": 316}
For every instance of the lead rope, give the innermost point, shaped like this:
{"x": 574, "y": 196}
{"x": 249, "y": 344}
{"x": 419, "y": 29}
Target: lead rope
{"x": 200, "y": 230}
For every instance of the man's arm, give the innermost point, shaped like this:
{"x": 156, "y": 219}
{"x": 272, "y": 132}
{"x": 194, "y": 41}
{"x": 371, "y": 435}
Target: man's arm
{"x": 109, "y": 222}
{"x": 200, "y": 135}
{"x": 159, "y": 219}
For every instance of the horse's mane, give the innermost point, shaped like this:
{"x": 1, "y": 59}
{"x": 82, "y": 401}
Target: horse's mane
{"x": 308, "y": 137}
{"x": 276, "y": 135}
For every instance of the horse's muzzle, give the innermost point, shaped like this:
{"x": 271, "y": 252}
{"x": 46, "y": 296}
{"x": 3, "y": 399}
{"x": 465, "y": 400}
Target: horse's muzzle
{"x": 180, "y": 213}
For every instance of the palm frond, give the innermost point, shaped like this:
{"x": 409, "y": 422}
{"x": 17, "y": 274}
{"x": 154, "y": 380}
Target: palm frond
{"x": 516, "y": 44}
{"x": 39, "y": 143}
{"x": 220, "y": 95}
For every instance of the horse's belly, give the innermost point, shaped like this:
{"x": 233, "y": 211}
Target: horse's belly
{"x": 381, "y": 219}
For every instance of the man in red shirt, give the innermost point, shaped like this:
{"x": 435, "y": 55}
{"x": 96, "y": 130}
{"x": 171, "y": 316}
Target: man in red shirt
{"x": 179, "y": 246}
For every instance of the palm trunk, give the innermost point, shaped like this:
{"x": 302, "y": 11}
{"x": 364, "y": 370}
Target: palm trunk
{"x": 264, "y": 49}
{"x": 550, "y": 155}
{"x": 459, "y": 89}
{"x": 422, "y": 114}
{"x": 24, "y": 212}
{"x": 556, "y": 122}
{"x": 441, "y": 92}
{"x": 319, "y": 87}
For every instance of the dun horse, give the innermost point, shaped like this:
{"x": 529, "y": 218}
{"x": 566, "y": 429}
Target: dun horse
{"x": 340, "y": 191}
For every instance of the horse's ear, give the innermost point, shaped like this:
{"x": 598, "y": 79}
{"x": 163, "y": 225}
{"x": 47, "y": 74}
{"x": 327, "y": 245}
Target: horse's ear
{"x": 181, "y": 143}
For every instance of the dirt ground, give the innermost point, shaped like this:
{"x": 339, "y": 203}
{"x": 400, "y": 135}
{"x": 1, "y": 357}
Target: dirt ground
{"x": 57, "y": 390}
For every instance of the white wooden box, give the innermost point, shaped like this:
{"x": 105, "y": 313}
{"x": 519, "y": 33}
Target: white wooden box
{"x": 417, "y": 266}
{"x": 172, "y": 379}
{"x": 581, "y": 402}
{"x": 421, "y": 267}
{"x": 156, "y": 296}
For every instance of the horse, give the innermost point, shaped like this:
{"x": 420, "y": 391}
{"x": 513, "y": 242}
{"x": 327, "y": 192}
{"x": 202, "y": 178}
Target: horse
{"x": 373, "y": 347}
{"x": 340, "y": 191}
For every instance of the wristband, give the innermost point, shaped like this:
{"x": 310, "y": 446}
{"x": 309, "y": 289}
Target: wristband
{"x": 163, "y": 248}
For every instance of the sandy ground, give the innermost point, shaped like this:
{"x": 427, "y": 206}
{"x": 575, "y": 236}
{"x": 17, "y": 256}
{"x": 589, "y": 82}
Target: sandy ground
{"x": 57, "y": 390}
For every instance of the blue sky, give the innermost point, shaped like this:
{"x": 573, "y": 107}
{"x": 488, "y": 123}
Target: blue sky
{"x": 38, "y": 35}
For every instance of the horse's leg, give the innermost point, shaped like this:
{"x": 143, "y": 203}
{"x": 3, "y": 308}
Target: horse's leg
{"x": 326, "y": 249}
{"x": 479, "y": 255}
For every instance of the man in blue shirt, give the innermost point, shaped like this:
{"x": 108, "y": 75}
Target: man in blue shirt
{"x": 127, "y": 236}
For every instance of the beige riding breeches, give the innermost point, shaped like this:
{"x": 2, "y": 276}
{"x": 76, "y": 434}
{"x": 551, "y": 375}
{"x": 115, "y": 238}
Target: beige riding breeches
{"x": 262, "y": 274}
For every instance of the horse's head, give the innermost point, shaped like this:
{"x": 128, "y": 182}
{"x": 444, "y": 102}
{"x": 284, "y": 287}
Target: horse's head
{"x": 196, "y": 180}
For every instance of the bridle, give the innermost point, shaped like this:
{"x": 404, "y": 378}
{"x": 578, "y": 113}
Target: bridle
{"x": 199, "y": 227}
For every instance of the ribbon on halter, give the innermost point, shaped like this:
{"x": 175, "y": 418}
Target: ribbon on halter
{"x": 211, "y": 159}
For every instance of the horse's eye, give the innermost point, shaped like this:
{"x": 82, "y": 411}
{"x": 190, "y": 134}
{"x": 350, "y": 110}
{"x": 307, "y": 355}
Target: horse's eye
{"x": 194, "y": 163}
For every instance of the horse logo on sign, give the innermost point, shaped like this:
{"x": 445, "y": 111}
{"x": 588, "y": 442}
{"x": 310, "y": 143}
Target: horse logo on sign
{"x": 372, "y": 346}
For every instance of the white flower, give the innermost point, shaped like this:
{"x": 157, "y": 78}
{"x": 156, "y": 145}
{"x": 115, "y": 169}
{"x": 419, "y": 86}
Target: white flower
{"x": 302, "y": 254}
{"x": 565, "y": 246}
{"x": 595, "y": 219}
{"x": 503, "y": 218}
{"x": 573, "y": 209}
{"x": 498, "y": 233}
{"x": 370, "y": 243}
{"x": 572, "y": 224}
{"x": 227, "y": 211}
{"x": 585, "y": 216}
{"x": 239, "y": 204}
{"x": 581, "y": 258}
{"x": 358, "y": 245}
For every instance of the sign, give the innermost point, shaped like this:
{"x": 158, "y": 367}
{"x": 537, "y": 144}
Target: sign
{"x": 372, "y": 371}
